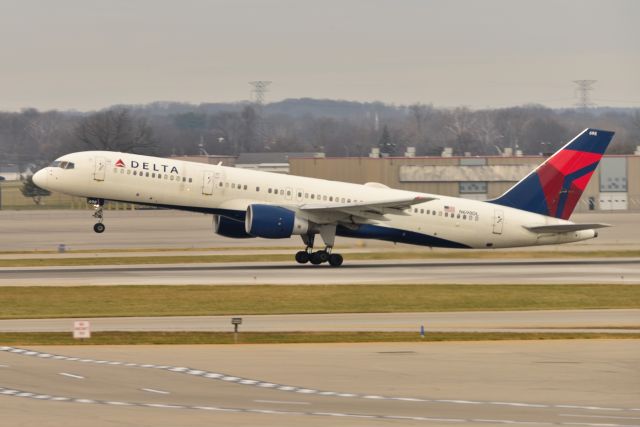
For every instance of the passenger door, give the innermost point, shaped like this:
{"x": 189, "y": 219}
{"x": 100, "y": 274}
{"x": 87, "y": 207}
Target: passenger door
{"x": 100, "y": 168}
{"x": 207, "y": 183}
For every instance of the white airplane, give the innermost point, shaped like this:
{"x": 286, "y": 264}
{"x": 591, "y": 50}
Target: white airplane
{"x": 247, "y": 203}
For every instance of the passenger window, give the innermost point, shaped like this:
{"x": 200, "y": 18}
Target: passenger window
{"x": 147, "y": 174}
{"x": 288, "y": 193}
{"x": 269, "y": 191}
{"x": 171, "y": 178}
{"x": 324, "y": 198}
{"x": 342, "y": 200}
{"x": 313, "y": 196}
{"x": 421, "y": 211}
{"x": 464, "y": 217}
{"x": 415, "y": 210}
{"x": 282, "y": 192}
{"x": 128, "y": 172}
{"x": 299, "y": 194}
{"x": 257, "y": 188}
{"x": 245, "y": 187}
{"x": 306, "y": 195}
{"x": 135, "y": 172}
{"x": 331, "y": 199}
{"x": 233, "y": 186}
{"x": 153, "y": 175}
{"x": 190, "y": 179}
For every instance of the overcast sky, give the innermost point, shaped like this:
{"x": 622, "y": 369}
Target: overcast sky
{"x": 86, "y": 54}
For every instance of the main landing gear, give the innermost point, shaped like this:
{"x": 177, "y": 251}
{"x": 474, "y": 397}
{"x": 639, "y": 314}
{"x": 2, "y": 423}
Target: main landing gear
{"x": 98, "y": 205}
{"x": 319, "y": 257}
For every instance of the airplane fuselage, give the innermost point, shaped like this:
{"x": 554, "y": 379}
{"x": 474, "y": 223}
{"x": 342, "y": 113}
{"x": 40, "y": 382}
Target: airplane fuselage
{"x": 441, "y": 221}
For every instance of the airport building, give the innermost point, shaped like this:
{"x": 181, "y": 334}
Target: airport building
{"x": 614, "y": 186}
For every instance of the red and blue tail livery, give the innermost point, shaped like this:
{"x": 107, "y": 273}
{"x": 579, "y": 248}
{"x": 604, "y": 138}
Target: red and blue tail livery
{"x": 554, "y": 188}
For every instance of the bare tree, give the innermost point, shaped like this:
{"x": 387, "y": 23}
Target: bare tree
{"x": 115, "y": 130}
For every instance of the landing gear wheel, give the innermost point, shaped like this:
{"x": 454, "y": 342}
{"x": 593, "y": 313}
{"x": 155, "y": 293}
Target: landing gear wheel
{"x": 324, "y": 256}
{"x": 335, "y": 260}
{"x": 302, "y": 257}
{"x": 316, "y": 258}
{"x": 99, "y": 227}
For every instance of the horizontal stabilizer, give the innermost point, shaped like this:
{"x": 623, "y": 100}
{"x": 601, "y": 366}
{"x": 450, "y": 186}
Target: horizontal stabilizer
{"x": 564, "y": 228}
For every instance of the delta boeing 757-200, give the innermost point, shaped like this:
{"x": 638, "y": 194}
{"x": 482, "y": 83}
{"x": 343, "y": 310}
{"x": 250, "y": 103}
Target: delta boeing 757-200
{"x": 247, "y": 203}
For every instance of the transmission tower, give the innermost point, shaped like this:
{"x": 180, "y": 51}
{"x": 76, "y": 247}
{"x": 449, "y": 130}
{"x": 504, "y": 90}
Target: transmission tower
{"x": 583, "y": 89}
{"x": 260, "y": 87}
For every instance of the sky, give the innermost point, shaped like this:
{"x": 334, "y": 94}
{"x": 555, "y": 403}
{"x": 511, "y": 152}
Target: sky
{"x": 90, "y": 54}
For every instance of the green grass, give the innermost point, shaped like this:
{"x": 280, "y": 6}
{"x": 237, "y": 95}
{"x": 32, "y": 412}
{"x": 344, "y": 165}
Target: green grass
{"x": 111, "y": 301}
{"x": 191, "y": 259}
{"x": 138, "y": 338}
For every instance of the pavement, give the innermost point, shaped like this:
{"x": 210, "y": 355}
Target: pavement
{"x": 167, "y": 229}
{"x": 557, "y": 383}
{"x": 467, "y": 321}
{"x": 536, "y": 271}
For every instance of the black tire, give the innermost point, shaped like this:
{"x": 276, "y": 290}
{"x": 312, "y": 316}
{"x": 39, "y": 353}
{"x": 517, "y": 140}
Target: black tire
{"x": 316, "y": 258}
{"x": 335, "y": 260}
{"x": 98, "y": 228}
{"x": 324, "y": 256}
{"x": 302, "y": 257}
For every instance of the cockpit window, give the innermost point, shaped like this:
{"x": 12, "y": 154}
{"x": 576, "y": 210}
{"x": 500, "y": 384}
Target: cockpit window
{"x": 63, "y": 164}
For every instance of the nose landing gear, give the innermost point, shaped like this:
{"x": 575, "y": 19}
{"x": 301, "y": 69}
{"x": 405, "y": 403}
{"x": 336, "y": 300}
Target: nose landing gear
{"x": 98, "y": 205}
{"x": 319, "y": 257}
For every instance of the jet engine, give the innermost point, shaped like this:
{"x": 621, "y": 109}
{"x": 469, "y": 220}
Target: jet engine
{"x": 228, "y": 227}
{"x": 273, "y": 222}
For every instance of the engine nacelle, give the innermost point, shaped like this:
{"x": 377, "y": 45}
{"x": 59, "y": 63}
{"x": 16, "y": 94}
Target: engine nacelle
{"x": 273, "y": 222}
{"x": 228, "y": 227}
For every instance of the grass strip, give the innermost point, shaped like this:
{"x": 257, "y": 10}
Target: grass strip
{"x": 201, "y": 300}
{"x": 139, "y": 338}
{"x": 192, "y": 259}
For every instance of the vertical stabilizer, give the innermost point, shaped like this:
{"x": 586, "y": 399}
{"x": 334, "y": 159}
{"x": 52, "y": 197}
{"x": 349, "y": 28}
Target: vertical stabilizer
{"x": 554, "y": 187}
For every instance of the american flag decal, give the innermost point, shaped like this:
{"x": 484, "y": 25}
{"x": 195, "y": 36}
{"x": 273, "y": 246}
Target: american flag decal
{"x": 450, "y": 209}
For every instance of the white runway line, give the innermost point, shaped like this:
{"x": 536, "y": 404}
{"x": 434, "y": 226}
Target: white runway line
{"x": 153, "y": 390}
{"x": 282, "y": 402}
{"x": 65, "y": 374}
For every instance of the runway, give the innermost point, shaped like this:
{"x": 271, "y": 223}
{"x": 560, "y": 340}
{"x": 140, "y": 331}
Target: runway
{"x": 467, "y": 321}
{"x": 149, "y": 229}
{"x": 577, "y": 383}
{"x": 541, "y": 271}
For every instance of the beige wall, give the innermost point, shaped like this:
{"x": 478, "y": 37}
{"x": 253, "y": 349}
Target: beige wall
{"x": 386, "y": 171}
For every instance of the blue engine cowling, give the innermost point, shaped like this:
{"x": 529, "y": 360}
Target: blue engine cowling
{"x": 273, "y": 222}
{"x": 228, "y": 227}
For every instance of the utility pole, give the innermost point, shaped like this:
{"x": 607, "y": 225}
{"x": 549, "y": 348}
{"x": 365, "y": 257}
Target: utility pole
{"x": 583, "y": 89}
{"x": 260, "y": 87}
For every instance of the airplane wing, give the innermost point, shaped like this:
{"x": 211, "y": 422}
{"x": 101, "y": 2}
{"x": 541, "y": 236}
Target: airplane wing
{"x": 564, "y": 228}
{"x": 370, "y": 210}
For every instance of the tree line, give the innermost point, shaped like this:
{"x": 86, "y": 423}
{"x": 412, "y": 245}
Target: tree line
{"x": 337, "y": 128}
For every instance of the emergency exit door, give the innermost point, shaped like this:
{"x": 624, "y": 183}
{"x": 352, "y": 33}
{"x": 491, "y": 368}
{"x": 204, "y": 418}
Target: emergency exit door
{"x": 498, "y": 221}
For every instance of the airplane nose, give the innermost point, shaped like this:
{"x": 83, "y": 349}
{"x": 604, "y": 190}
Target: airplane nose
{"x": 40, "y": 178}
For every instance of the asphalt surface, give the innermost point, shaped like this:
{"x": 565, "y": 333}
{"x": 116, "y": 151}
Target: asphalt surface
{"x": 576, "y": 383}
{"x": 479, "y": 321}
{"x": 45, "y": 230}
{"x": 542, "y": 271}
